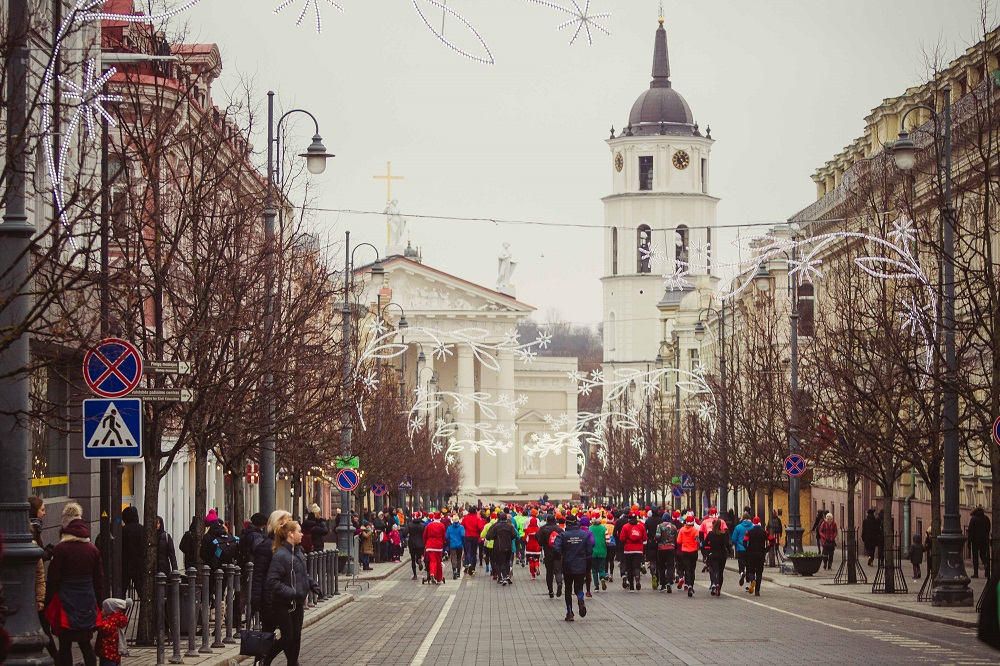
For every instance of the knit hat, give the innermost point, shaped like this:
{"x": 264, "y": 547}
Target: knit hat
{"x": 534, "y": 512}
{"x": 212, "y": 517}
{"x": 72, "y": 511}
{"x": 258, "y": 519}
{"x": 756, "y": 520}
{"x": 314, "y": 509}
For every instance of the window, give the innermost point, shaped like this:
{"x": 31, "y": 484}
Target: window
{"x": 970, "y": 495}
{"x": 646, "y": 172}
{"x": 614, "y": 250}
{"x": 644, "y": 242}
{"x": 681, "y": 245}
{"x": 611, "y": 332}
{"x": 704, "y": 175}
{"x": 49, "y": 433}
{"x": 693, "y": 360}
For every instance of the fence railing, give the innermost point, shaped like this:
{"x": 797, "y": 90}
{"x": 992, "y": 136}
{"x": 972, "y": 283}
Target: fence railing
{"x": 850, "y": 572}
{"x": 889, "y": 577}
{"x": 217, "y": 603}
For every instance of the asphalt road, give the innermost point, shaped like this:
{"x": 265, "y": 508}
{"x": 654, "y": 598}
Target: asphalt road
{"x": 475, "y": 621}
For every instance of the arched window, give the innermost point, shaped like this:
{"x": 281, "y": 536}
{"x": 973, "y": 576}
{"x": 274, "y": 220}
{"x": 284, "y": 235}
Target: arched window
{"x": 614, "y": 250}
{"x": 644, "y": 249}
{"x": 681, "y": 244}
{"x": 612, "y": 334}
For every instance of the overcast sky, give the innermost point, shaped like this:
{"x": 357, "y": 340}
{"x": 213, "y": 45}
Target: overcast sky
{"x": 784, "y": 84}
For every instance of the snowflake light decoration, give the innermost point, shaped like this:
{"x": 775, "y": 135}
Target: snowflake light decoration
{"x": 904, "y": 232}
{"x": 583, "y": 19}
{"x": 806, "y": 269}
{"x": 677, "y": 279}
{"x": 305, "y": 8}
{"x": 90, "y": 97}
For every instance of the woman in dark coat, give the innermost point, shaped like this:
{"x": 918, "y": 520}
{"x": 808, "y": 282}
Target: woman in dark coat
{"x": 133, "y": 551}
{"x": 74, "y": 590}
{"x": 286, "y": 588}
{"x": 166, "y": 556}
{"x": 261, "y": 563}
{"x": 189, "y": 544}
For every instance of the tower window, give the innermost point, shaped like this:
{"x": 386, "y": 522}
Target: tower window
{"x": 704, "y": 175}
{"x": 646, "y": 172}
{"x": 681, "y": 245}
{"x": 611, "y": 332}
{"x": 614, "y": 250}
{"x": 644, "y": 249}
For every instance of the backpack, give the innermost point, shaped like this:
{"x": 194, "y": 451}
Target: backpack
{"x": 227, "y": 547}
{"x": 307, "y": 542}
{"x": 249, "y": 545}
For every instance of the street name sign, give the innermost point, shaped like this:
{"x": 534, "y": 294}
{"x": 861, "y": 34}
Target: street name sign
{"x": 164, "y": 394}
{"x": 795, "y": 465}
{"x": 167, "y": 367}
{"x": 112, "y": 428}
{"x": 113, "y": 368}
{"x": 347, "y": 479}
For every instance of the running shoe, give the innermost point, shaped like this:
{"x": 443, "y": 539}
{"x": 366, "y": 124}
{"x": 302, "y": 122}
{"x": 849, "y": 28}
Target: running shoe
{"x": 604, "y": 584}
{"x": 583, "y": 609}
{"x": 569, "y": 616}
{"x": 690, "y": 591}
{"x": 589, "y": 596}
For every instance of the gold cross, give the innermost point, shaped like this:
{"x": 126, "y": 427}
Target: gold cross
{"x": 388, "y": 178}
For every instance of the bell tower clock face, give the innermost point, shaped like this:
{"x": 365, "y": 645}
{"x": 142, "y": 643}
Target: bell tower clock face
{"x": 681, "y": 160}
{"x": 619, "y": 162}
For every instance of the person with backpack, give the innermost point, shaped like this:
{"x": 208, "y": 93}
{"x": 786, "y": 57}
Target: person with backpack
{"x": 218, "y": 547}
{"x": 574, "y": 546}
{"x": 553, "y": 563}
{"x": 252, "y": 535}
{"x": 666, "y": 545}
{"x": 633, "y": 538}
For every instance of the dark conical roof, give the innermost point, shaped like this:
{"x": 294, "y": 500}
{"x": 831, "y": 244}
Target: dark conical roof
{"x": 661, "y": 109}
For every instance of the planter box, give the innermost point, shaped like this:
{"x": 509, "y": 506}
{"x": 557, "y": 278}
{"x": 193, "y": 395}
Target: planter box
{"x": 806, "y": 566}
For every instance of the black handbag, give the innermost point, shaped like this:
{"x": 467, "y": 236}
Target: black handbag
{"x": 256, "y": 643}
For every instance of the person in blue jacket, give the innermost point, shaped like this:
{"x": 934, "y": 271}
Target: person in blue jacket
{"x": 575, "y": 546}
{"x": 739, "y": 532}
{"x": 455, "y": 536}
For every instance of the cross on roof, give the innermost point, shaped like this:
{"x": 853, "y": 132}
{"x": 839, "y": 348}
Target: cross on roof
{"x": 388, "y": 178}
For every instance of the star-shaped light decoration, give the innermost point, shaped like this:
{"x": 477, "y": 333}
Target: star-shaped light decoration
{"x": 377, "y": 326}
{"x": 90, "y": 97}
{"x": 527, "y": 356}
{"x": 544, "y": 339}
{"x": 450, "y": 459}
{"x": 805, "y": 269}
{"x": 701, "y": 250}
{"x": 705, "y": 412}
{"x": 914, "y": 316}
{"x": 305, "y": 8}
{"x": 651, "y": 253}
{"x": 576, "y": 376}
{"x": 676, "y": 280}
{"x": 441, "y": 351}
{"x": 438, "y": 447}
{"x": 370, "y": 381}
{"x": 582, "y": 18}
{"x": 904, "y": 233}
{"x": 597, "y": 376}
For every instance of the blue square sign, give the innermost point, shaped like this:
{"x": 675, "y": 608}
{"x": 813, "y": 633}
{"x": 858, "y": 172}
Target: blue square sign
{"x": 112, "y": 428}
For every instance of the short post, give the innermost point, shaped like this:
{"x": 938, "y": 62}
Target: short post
{"x": 230, "y": 597}
{"x": 248, "y": 594}
{"x": 219, "y": 598}
{"x": 336, "y": 571}
{"x": 175, "y": 616}
{"x": 160, "y": 601}
{"x": 311, "y": 570}
{"x": 192, "y": 611}
{"x": 206, "y": 607}
{"x": 237, "y": 606}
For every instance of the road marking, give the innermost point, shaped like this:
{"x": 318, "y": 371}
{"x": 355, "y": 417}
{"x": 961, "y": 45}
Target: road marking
{"x": 375, "y": 650}
{"x": 781, "y": 610}
{"x": 425, "y": 647}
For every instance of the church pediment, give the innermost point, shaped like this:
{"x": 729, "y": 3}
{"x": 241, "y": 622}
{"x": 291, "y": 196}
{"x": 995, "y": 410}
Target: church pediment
{"x": 419, "y": 288}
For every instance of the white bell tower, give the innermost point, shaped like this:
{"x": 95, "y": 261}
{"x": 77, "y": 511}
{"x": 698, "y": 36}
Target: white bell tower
{"x": 659, "y": 216}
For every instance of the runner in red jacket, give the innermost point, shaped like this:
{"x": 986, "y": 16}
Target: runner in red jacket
{"x": 633, "y": 539}
{"x": 532, "y": 549}
{"x": 473, "y": 525}
{"x": 434, "y": 545}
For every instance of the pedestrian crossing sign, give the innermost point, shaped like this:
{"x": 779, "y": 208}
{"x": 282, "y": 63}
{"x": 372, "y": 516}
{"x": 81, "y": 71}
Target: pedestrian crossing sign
{"x": 112, "y": 428}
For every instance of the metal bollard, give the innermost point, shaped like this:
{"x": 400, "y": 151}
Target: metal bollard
{"x": 160, "y": 601}
{"x": 310, "y": 569}
{"x": 336, "y": 571}
{"x": 230, "y": 598}
{"x": 206, "y": 607}
{"x": 248, "y": 594}
{"x": 192, "y": 615}
{"x": 331, "y": 571}
{"x": 237, "y": 606}
{"x": 219, "y": 598}
{"x": 324, "y": 556}
{"x": 175, "y": 616}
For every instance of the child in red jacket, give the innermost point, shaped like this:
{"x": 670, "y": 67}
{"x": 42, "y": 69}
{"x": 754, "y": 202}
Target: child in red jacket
{"x": 111, "y": 631}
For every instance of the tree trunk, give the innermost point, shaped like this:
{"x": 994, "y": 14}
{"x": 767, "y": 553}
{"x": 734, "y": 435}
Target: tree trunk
{"x": 888, "y": 529}
{"x": 851, "y": 537}
{"x": 935, "y": 487}
{"x": 239, "y": 501}
{"x": 200, "y": 491}
{"x": 151, "y": 497}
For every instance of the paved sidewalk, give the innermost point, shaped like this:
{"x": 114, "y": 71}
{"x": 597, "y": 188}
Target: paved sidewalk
{"x": 821, "y": 584}
{"x": 229, "y": 655}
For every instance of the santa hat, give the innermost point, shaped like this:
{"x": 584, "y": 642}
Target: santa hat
{"x": 677, "y": 513}
{"x": 756, "y": 520}
{"x": 493, "y": 516}
{"x": 417, "y": 514}
{"x": 690, "y": 519}
{"x": 713, "y": 511}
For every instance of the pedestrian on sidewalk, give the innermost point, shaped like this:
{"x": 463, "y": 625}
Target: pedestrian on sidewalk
{"x": 288, "y": 583}
{"x": 828, "y": 537}
{"x": 775, "y": 529}
{"x": 756, "y": 540}
{"x": 111, "y": 631}
{"x": 916, "y": 556}
{"x": 979, "y": 541}
{"x": 820, "y": 515}
{"x": 869, "y": 535}
{"x": 315, "y": 526}
{"x": 717, "y": 545}
{"x": 366, "y": 544}
{"x": 36, "y": 517}
{"x": 575, "y": 546}
{"x": 503, "y": 536}
{"x": 738, "y": 541}
{"x": 687, "y": 546}
{"x": 414, "y": 536}
{"x": 189, "y": 544}
{"x": 395, "y": 543}
{"x": 553, "y": 562}
{"x": 262, "y": 554}
{"x": 133, "y": 552}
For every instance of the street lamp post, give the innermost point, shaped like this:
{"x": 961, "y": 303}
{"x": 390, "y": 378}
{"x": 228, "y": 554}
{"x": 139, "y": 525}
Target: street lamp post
{"x": 675, "y": 351}
{"x": 699, "y": 334}
{"x": 345, "y": 531}
{"x": 951, "y": 584}
{"x": 316, "y": 157}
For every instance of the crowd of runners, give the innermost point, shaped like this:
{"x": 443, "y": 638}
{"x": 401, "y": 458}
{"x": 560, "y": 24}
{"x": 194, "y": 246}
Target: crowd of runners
{"x": 579, "y": 546}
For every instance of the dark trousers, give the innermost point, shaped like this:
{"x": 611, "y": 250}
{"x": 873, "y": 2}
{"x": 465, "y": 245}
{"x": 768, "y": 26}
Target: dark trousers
{"x": 456, "y": 558}
{"x": 665, "y": 567}
{"x": 716, "y": 569}
{"x": 741, "y": 563}
{"x": 981, "y": 552}
{"x": 574, "y": 586}
{"x": 553, "y": 569}
{"x": 416, "y": 557}
{"x": 755, "y": 568}
{"x": 503, "y": 558}
{"x": 66, "y": 652}
{"x": 690, "y": 561}
{"x": 633, "y": 562}
{"x": 290, "y": 629}
{"x": 471, "y": 546}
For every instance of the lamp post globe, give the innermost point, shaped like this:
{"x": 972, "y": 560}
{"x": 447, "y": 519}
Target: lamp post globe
{"x": 316, "y": 156}
{"x": 904, "y": 152}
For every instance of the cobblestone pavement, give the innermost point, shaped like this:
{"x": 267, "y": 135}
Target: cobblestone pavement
{"x": 475, "y": 621}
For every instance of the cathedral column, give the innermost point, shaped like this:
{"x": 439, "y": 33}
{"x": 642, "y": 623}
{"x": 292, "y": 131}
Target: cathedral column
{"x": 506, "y": 483}
{"x": 466, "y": 386}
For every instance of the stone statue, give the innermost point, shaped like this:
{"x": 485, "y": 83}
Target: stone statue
{"x": 397, "y": 223}
{"x": 505, "y": 268}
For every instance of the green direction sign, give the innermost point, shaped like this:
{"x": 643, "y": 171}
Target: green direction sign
{"x": 348, "y": 463}
{"x": 676, "y": 481}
